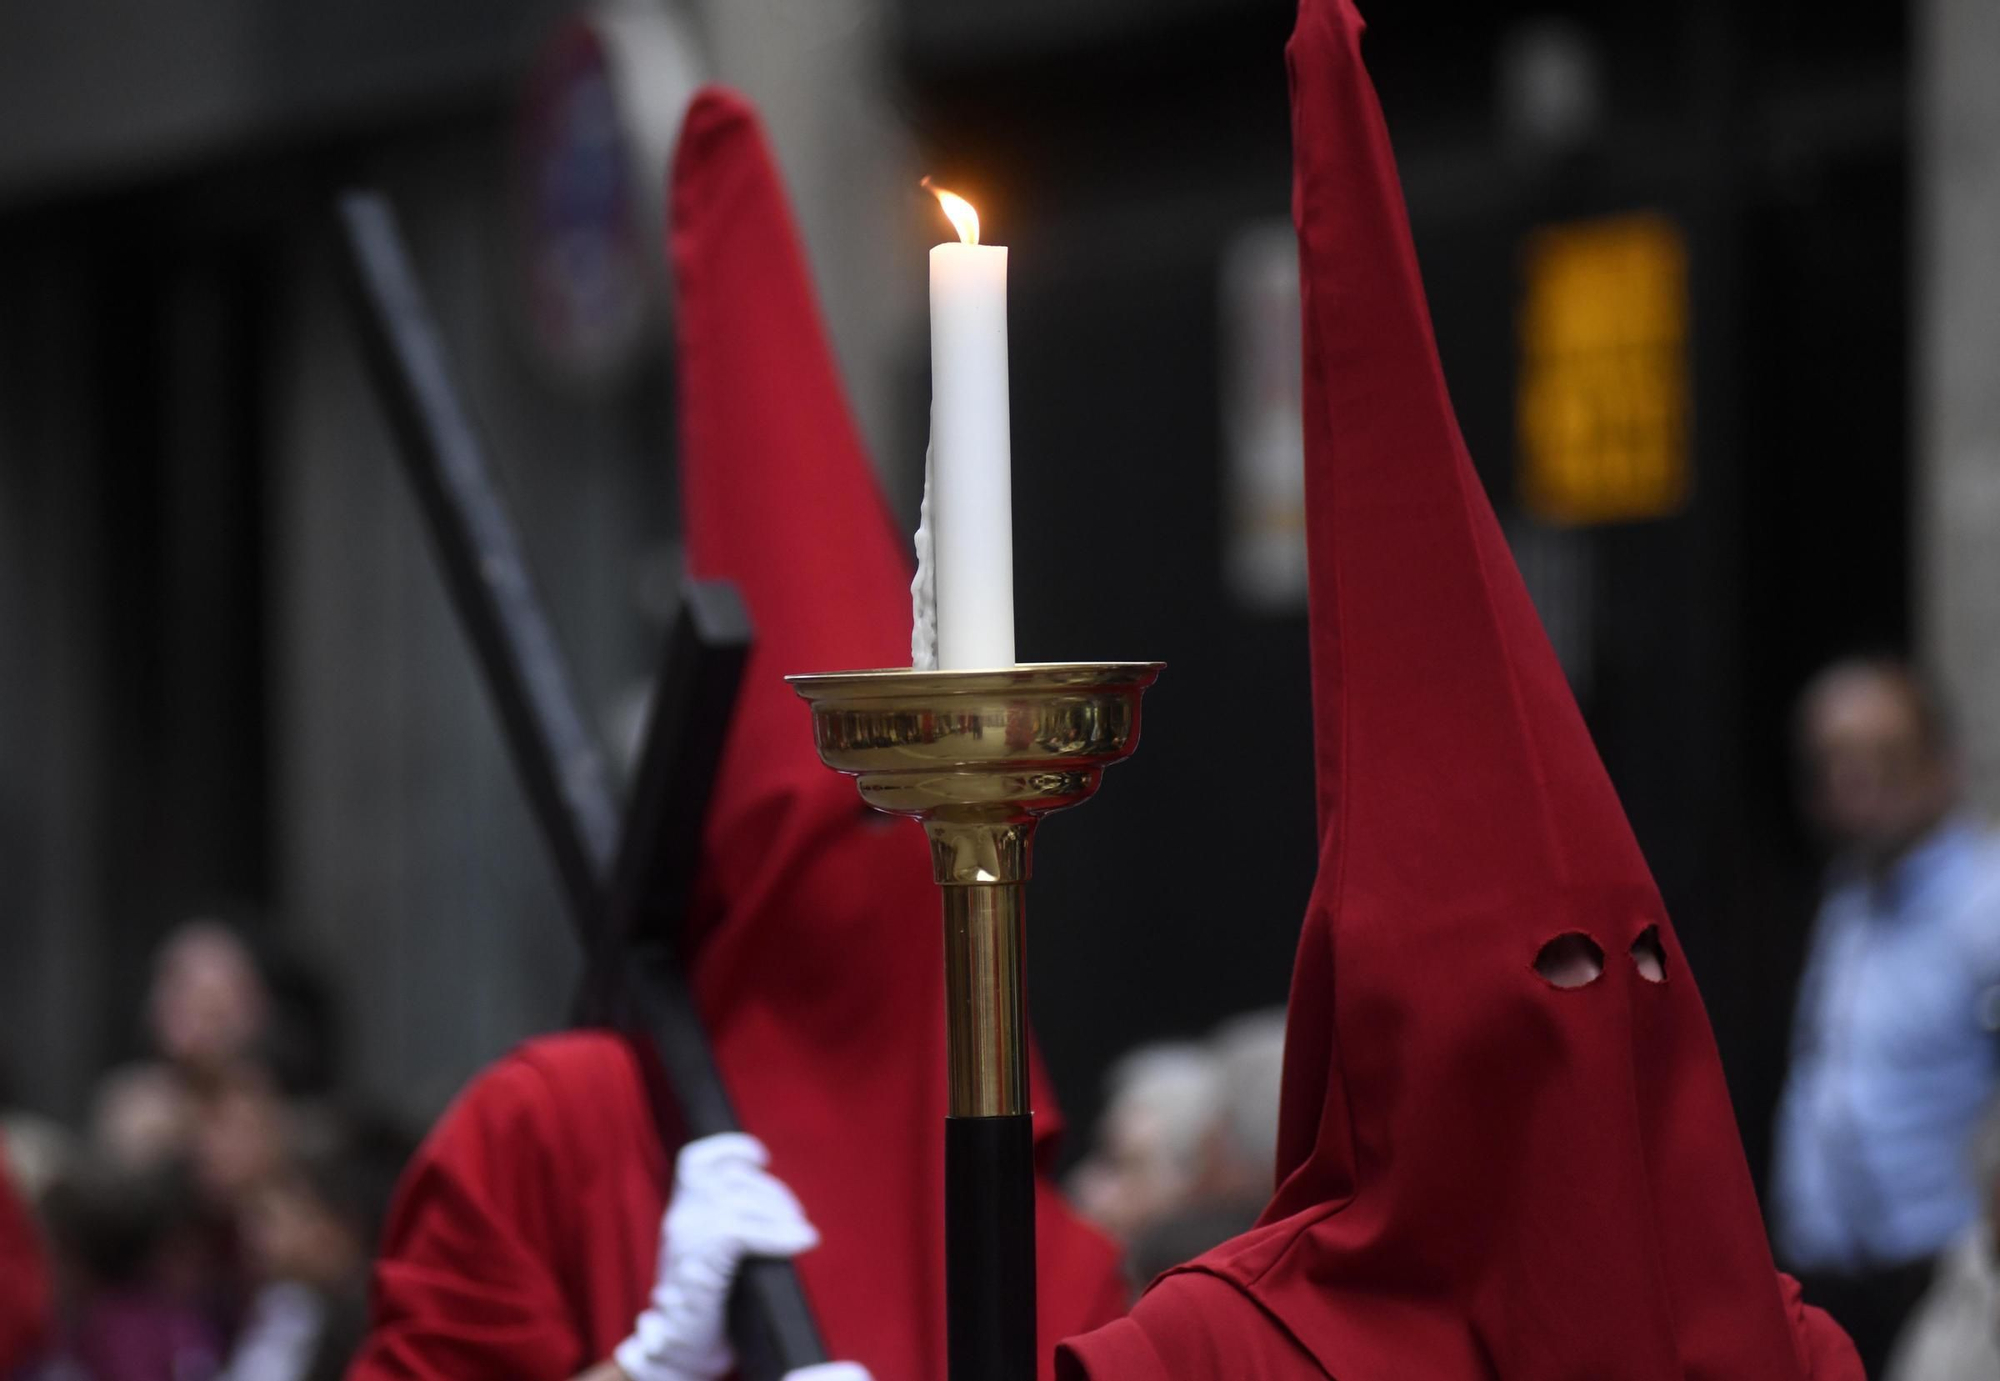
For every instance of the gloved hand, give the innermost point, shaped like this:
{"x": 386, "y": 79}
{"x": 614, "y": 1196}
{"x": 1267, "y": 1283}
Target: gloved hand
{"x": 725, "y": 1207}
{"x": 830, "y": 1371}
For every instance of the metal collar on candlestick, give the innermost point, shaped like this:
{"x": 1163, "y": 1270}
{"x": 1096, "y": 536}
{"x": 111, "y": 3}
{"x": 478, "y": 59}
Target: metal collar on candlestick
{"x": 979, "y": 757}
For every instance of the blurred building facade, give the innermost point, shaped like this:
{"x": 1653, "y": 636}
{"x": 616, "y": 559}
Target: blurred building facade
{"x": 1957, "y": 416}
{"x": 233, "y": 675}
{"x": 234, "y": 679}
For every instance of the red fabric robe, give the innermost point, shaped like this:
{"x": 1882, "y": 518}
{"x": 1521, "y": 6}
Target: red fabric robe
{"x": 523, "y": 1243}
{"x": 1480, "y": 1175}
{"x": 24, "y": 1280}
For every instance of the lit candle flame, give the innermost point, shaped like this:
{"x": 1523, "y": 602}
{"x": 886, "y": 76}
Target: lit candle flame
{"x": 959, "y": 210}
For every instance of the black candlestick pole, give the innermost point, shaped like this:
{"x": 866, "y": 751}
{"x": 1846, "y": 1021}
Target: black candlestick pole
{"x": 989, "y": 1138}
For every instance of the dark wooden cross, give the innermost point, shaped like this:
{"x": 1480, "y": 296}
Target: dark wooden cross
{"x": 626, "y": 875}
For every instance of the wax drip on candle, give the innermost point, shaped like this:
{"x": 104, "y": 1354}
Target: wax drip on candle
{"x": 923, "y": 587}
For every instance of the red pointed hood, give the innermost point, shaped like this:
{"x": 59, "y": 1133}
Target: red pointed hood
{"x": 820, "y": 967}
{"x": 1480, "y": 1174}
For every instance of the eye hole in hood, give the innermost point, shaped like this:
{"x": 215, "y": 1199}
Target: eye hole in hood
{"x": 1570, "y": 960}
{"x": 1650, "y": 955}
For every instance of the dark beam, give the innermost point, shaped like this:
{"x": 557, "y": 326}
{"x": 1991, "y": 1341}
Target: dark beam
{"x": 627, "y": 885}
{"x": 694, "y": 695}
{"x": 481, "y": 557}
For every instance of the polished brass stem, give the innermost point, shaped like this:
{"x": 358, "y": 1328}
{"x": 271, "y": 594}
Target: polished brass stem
{"x": 980, "y": 855}
{"x": 985, "y": 928}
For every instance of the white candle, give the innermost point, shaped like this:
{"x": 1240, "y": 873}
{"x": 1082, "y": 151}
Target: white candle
{"x": 971, "y": 492}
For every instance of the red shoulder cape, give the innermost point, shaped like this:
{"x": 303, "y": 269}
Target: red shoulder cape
{"x": 524, "y": 1238}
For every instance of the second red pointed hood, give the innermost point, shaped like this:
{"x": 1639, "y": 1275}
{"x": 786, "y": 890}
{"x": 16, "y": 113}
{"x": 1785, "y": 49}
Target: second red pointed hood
{"x": 1480, "y": 1173}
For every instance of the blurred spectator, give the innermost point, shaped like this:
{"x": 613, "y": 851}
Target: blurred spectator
{"x": 241, "y": 1140}
{"x": 1184, "y": 1152}
{"x": 127, "y": 1242}
{"x": 239, "y": 1039}
{"x": 1955, "y": 1333}
{"x": 1145, "y": 1159}
{"x": 142, "y": 1115}
{"x": 1243, "y": 1146}
{"x": 221, "y": 1208}
{"x": 136, "y": 1248}
{"x": 1237, "y": 1155}
{"x": 1893, "y": 1054}
{"x": 207, "y": 1018}
{"x": 309, "y": 1231}
{"x": 38, "y": 1149}
{"x": 209, "y": 1006}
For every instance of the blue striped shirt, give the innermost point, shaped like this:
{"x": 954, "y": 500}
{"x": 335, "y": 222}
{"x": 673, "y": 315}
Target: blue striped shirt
{"x": 1894, "y": 1058}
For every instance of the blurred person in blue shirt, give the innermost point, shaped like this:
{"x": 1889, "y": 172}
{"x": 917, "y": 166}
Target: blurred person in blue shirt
{"x": 1894, "y": 1051}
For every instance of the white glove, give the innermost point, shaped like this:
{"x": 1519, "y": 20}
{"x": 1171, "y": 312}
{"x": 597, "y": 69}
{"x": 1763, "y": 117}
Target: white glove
{"x": 830, "y": 1371}
{"x": 725, "y": 1207}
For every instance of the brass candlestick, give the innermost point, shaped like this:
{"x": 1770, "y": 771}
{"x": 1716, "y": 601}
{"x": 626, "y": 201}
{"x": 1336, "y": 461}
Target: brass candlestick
{"x": 980, "y": 757}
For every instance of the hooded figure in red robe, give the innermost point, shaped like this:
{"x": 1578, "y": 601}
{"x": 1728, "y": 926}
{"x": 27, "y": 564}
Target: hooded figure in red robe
{"x": 1505, "y": 1146}
{"x": 524, "y": 1241}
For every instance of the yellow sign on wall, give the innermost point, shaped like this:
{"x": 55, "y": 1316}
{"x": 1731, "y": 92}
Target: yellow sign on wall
{"x": 1603, "y": 399}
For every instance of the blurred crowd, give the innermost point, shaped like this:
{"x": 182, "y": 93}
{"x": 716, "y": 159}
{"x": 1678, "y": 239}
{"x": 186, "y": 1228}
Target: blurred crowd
{"x": 215, "y": 1215}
